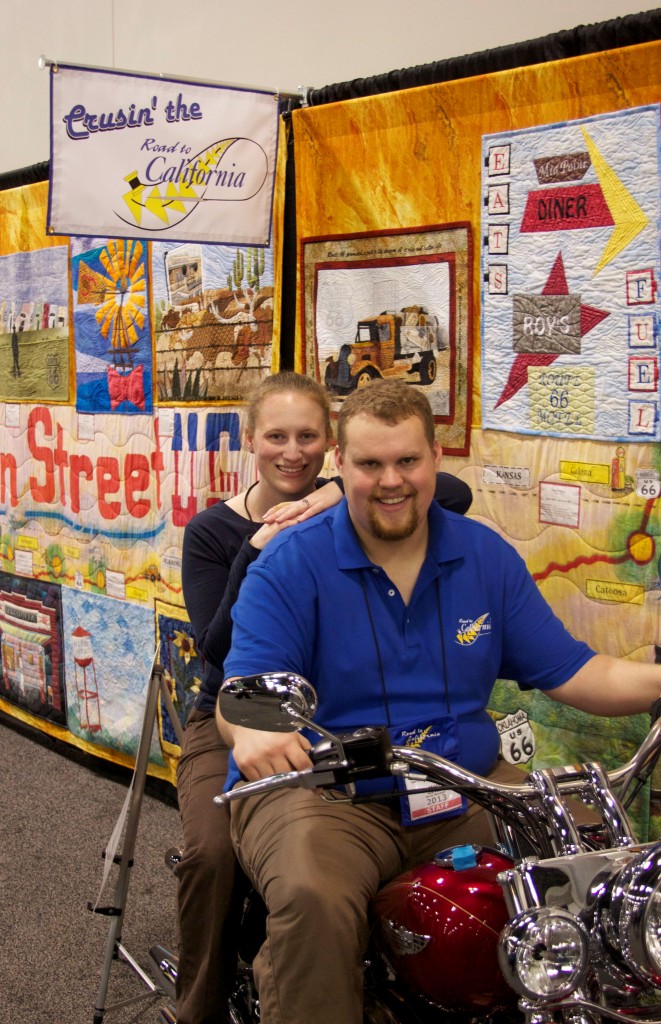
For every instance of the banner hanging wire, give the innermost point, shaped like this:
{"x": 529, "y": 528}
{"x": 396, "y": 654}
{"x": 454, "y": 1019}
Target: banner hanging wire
{"x": 46, "y": 62}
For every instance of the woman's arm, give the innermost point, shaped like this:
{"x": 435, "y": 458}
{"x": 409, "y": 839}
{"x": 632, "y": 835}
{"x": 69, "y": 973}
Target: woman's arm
{"x": 212, "y": 575}
{"x": 452, "y": 493}
{"x": 327, "y": 494}
{"x": 211, "y": 579}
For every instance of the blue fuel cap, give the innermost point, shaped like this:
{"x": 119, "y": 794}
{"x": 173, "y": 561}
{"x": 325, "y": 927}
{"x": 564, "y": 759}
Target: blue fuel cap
{"x": 464, "y": 857}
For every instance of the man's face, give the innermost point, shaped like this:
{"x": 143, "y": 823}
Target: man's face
{"x": 389, "y": 475}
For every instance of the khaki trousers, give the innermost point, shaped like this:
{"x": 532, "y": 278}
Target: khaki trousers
{"x": 317, "y": 866}
{"x": 211, "y": 884}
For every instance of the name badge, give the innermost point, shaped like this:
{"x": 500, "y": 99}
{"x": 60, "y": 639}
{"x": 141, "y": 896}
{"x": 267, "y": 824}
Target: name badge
{"x": 424, "y": 806}
{"x": 422, "y": 801}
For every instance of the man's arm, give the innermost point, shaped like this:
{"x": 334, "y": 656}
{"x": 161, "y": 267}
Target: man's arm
{"x": 258, "y": 753}
{"x": 610, "y": 686}
{"x": 274, "y": 624}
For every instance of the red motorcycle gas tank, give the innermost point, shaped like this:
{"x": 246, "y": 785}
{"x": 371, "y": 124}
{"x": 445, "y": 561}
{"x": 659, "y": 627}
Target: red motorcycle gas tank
{"x": 438, "y": 927}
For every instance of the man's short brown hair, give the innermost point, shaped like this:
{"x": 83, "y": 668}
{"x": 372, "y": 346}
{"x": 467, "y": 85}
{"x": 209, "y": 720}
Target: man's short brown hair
{"x": 389, "y": 400}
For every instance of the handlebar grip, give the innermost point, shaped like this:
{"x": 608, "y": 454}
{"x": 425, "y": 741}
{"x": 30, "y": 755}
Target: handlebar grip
{"x": 366, "y": 752}
{"x": 655, "y": 710}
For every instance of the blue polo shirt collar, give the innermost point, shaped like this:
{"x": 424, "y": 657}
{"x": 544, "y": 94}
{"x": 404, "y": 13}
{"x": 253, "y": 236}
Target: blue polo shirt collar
{"x": 444, "y": 542}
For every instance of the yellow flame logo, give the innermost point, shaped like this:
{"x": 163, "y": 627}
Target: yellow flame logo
{"x": 470, "y": 634}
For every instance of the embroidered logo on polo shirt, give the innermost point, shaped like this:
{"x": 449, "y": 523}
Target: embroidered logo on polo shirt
{"x": 470, "y": 629}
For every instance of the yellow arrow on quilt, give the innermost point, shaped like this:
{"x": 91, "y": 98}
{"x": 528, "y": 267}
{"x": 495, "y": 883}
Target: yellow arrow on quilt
{"x": 629, "y": 218}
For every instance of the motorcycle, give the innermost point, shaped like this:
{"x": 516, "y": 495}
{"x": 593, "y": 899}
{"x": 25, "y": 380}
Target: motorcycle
{"x": 559, "y": 921}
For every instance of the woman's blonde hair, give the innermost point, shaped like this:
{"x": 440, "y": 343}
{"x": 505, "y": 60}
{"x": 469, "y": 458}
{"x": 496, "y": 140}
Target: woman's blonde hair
{"x": 287, "y": 382}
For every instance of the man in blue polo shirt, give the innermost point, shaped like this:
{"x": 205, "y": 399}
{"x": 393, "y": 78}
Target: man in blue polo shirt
{"x": 400, "y": 614}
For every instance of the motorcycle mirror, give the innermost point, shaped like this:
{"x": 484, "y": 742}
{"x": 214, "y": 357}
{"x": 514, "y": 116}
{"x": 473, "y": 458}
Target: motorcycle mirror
{"x": 273, "y": 701}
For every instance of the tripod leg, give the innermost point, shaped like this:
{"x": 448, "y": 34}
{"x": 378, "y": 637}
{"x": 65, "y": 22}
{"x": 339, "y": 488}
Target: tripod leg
{"x": 174, "y": 717}
{"x": 125, "y": 859}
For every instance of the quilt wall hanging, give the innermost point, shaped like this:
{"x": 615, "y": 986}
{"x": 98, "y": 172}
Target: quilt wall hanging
{"x": 553, "y": 172}
{"x": 570, "y": 277}
{"x": 394, "y": 305}
{"x": 121, "y": 418}
{"x": 35, "y": 363}
{"x": 213, "y": 310}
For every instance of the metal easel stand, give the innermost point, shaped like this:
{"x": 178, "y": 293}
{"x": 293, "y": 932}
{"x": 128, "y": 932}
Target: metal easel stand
{"x": 114, "y": 949}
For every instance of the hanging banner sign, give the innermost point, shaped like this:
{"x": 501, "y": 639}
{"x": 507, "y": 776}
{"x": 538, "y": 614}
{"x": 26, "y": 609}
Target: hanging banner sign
{"x": 140, "y": 157}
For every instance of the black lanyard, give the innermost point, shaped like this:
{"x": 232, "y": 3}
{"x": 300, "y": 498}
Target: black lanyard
{"x": 382, "y": 675}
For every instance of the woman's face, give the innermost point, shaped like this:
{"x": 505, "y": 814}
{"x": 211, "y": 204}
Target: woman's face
{"x": 289, "y": 442}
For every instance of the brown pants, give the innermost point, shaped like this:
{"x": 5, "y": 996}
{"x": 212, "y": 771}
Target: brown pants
{"x": 211, "y": 884}
{"x": 318, "y": 865}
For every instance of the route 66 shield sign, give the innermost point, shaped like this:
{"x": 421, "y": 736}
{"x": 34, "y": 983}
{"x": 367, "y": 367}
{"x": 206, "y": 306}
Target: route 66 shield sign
{"x": 517, "y": 739}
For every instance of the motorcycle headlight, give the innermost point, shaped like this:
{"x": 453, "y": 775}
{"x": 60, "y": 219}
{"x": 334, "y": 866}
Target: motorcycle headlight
{"x": 633, "y": 915}
{"x": 543, "y": 953}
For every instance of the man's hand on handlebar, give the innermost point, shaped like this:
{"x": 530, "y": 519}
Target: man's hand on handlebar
{"x": 260, "y": 754}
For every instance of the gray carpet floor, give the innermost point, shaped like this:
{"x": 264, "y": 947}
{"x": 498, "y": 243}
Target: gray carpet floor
{"x": 57, "y": 812}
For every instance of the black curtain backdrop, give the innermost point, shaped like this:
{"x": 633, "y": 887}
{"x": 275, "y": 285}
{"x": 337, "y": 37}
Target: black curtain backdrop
{"x": 608, "y": 35}
{"x": 25, "y": 175}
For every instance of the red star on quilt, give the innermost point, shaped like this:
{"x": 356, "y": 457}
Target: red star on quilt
{"x": 556, "y": 284}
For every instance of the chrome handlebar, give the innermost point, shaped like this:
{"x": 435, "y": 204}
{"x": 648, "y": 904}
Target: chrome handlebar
{"x": 438, "y": 770}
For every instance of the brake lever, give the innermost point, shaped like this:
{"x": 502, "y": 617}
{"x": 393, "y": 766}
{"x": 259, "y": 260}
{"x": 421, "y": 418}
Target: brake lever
{"x": 308, "y": 778}
{"x": 337, "y": 761}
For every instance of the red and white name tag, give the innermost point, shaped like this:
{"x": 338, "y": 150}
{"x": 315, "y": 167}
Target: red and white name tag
{"x": 434, "y": 804}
